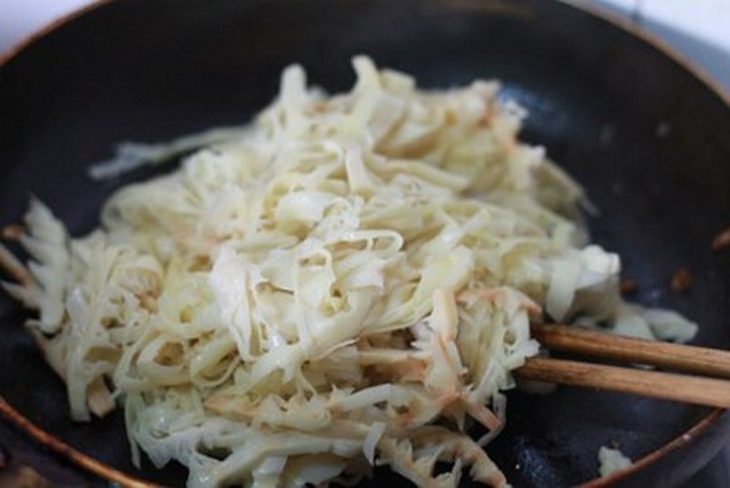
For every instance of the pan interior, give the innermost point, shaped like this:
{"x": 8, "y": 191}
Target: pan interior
{"x": 647, "y": 139}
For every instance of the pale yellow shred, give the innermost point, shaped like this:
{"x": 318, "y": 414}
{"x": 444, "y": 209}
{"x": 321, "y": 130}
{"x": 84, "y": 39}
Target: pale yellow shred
{"x": 306, "y": 296}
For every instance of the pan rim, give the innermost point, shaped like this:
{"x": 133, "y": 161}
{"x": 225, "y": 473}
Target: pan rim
{"x": 103, "y": 470}
{"x": 715, "y": 415}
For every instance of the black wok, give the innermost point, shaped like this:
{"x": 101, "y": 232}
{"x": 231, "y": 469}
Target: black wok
{"x": 650, "y": 141}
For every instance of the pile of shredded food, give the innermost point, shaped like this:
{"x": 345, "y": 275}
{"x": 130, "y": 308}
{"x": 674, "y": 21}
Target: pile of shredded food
{"x": 345, "y": 283}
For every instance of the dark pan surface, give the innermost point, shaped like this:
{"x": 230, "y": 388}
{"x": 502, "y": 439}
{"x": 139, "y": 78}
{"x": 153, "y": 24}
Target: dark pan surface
{"x": 597, "y": 95}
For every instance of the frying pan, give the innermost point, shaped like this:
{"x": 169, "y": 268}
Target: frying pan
{"x": 648, "y": 138}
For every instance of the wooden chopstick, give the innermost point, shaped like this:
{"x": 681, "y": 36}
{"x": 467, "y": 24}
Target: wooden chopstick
{"x": 669, "y": 386}
{"x": 677, "y": 357}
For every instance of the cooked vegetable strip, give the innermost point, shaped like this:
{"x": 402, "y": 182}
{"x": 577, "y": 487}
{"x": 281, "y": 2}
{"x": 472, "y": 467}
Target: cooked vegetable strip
{"x": 346, "y": 282}
{"x": 130, "y": 156}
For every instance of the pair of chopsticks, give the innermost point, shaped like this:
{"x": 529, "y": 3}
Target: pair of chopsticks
{"x": 700, "y": 390}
